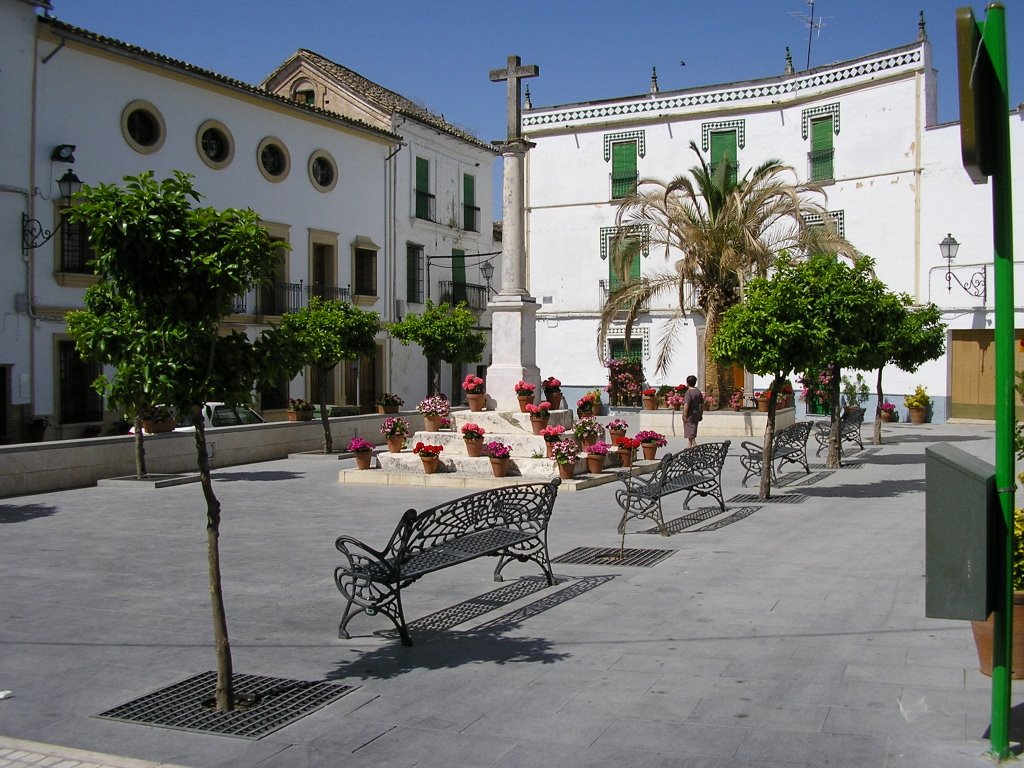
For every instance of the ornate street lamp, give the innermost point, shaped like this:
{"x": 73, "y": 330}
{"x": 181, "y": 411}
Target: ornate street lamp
{"x": 33, "y": 234}
{"x": 977, "y": 285}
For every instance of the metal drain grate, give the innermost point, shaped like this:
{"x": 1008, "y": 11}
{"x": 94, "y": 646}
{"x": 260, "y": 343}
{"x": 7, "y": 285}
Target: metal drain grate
{"x": 802, "y": 479}
{"x": 735, "y": 517}
{"x": 637, "y": 558}
{"x": 183, "y": 706}
{"x": 753, "y": 498}
{"x": 845, "y": 466}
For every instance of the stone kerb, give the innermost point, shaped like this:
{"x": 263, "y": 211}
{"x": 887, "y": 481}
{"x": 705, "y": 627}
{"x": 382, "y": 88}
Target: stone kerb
{"x": 721, "y": 423}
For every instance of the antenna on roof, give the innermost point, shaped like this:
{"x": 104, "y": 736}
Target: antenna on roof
{"x": 812, "y": 24}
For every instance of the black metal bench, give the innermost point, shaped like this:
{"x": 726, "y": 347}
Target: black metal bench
{"x": 789, "y": 446}
{"x": 697, "y": 470}
{"x": 509, "y": 523}
{"x": 849, "y": 430}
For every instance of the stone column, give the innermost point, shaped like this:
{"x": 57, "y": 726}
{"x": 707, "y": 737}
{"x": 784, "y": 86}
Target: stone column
{"x": 513, "y": 310}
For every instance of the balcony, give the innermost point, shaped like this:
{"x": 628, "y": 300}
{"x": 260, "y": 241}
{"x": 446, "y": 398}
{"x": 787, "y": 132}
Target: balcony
{"x": 471, "y": 218}
{"x": 327, "y": 293}
{"x": 424, "y": 206}
{"x": 604, "y": 292}
{"x": 475, "y": 296}
{"x": 623, "y": 184}
{"x": 819, "y": 165}
{"x": 278, "y": 298}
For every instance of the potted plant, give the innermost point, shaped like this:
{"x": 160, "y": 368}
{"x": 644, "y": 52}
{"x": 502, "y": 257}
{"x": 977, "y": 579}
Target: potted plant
{"x": 299, "y": 409}
{"x": 617, "y": 428}
{"x": 36, "y": 428}
{"x": 395, "y": 429}
{"x": 587, "y": 432}
{"x": 597, "y": 455}
{"x": 736, "y": 400}
{"x": 159, "y": 418}
{"x": 525, "y": 393}
{"x": 786, "y": 394}
{"x": 675, "y": 401}
{"x": 710, "y": 402}
{"x": 499, "y": 453}
{"x": 761, "y": 399}
{"x": 474, "y": 387}
{"x": 363, "y": 449}
{"x": 650, "y": 399}
{"x": 565, "y": 454}
{"x": 552, "y": 391}
{"x": 434, "y": 408}
{"x": 626, "y": 447}
{"x": 589, "y": 404}
{"x": 650, "y": 442}
{"x": 539, "y": 415}
{"x": 887, "y": 412}
{"x": 473, "y": 435}
{"x": 918, "y": 405}
{"x": 855, "y": 392}
{"x": 428, "y": 456}
{"x": 552, "y": 435}
{"x": 389, "y": 402}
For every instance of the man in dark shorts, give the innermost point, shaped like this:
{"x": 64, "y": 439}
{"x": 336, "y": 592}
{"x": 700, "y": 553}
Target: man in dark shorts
{"x": 693, "y": 410}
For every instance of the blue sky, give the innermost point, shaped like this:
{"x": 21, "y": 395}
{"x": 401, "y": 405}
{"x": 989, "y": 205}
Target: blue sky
{"x": 439, "y": 53}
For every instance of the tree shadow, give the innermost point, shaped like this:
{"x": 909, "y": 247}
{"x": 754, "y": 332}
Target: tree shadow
{"x": 892, "y": 459}
{"x": 888, "y": 490}
{"x": 12, "y": 513}
{"x": 267, "y": 476}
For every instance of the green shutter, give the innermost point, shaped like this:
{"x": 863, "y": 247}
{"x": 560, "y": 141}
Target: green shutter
{"x": 458, "y": 275}
{"x": 468, "y": 189}
{"x": 723, "y": 149}
{"x": 821, "y": 149}
{"x": 634, "y": 266}
{"x": 422, "y": 174}
{"x": 469, "y": 209}
{"x": 623, "y": 169}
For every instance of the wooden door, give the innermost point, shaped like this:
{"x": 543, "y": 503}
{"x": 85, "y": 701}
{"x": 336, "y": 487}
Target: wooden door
{"x": 973, "y": 376}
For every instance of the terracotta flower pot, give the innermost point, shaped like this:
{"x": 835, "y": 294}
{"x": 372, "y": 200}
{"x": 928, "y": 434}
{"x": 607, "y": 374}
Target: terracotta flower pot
{"x": 499, "y": 467}
{"x": 650, "y": 450}
{"x": 476, "y": 402}
{"x": 387, "y": 409}
{"x": 553, "y": 396}
{"x": 474, "y": 447}
{"x": 429, "y": 464}
{"x": 918, "y": 415}
{"x": 595, "y": 463}
{"x": 549, "y": 444}
{"x": 586, "y": 442}
{"x": 395, "y": 444}
{"x": 615, "y": 434}
{"x": 157, "y": 427}
{"x": 762, "y": 405}
{"x": 566, "y": 471}
{"x": 983, "y": 632}
{"x": 431, "y": 423}
{"x": 537, "y": 422}
{"x": 650, "y": 403}
{"x": 300, "y": 415}
{"x": 885, "y": 416}
{"x": 625, "y": 458}
{"x": 524, "y": 400}
{"x": 363, "y": 459}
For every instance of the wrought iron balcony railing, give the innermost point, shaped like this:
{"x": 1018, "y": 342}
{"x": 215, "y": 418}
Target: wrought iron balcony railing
{"x": 278, "y": 298}
{"x": 623, "y": 184}
{"x": 604, "y": 292}
{"x": 820, "y": 165}
{"x": 424, "y": 206}
{"x": 471, "y": 218}
{"x": 453, "y": 293}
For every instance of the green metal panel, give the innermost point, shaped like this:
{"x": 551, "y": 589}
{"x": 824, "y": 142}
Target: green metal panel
{"x": 623, "y": 169}
{"x": 960, "y": 520}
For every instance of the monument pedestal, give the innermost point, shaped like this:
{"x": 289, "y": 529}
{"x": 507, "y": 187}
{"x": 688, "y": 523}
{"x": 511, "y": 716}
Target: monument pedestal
{"x": 513, "y": 348}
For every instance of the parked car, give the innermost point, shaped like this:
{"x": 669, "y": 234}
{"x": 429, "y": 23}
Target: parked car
{"x": 216, "y": 415}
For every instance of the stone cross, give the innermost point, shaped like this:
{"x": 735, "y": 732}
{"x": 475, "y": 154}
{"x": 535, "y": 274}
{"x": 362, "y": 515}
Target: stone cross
{"x": 514, "y": 73}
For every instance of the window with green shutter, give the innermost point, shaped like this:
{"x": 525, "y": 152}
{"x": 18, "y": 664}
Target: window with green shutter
{"x": 723, "y": 150}
{"x": 458, "y": 275}
{"x": 629, "y": 244}
{"x": 413, "y": 273}
{"x": 470, "y": 211}
{"x": 623, "y": 169}
{"x": 424, "y": 200}
{"x": 821, "y": 155}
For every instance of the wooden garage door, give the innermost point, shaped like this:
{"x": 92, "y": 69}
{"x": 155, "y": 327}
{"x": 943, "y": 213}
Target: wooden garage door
{"x": 972, "y": 391}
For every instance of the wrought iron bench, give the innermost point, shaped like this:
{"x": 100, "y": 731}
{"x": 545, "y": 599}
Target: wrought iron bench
{"x": 697, "y": 470}
{"x": 789, "y": 446}
{"x": 849, "y": 430}
{"x": 509, "y": 523}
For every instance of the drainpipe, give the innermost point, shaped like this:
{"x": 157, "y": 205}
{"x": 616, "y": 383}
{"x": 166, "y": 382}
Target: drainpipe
{"x": 391, "y": 234}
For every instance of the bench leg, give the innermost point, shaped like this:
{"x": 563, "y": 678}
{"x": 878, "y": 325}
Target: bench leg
{"x": 538, "y": 555}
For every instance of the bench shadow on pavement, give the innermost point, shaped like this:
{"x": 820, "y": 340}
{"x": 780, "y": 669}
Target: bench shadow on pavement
{"x": 20, "y": 513}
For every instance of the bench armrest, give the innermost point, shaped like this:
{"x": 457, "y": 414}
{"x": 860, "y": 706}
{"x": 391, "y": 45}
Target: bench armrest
{"x": 752, "y": 449}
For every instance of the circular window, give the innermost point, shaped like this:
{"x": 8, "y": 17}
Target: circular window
{"x": 143, "y": 127}
{"x": 273, "y": 159}
{"x": 323, "y": 171}
{"x": 214, "y": 143}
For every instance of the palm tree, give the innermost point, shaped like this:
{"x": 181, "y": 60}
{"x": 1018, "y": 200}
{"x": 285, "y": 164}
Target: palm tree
{"x": 724, "y": 231}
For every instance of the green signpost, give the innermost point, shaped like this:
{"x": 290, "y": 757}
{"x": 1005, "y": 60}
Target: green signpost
{"x": 985, "y": 147}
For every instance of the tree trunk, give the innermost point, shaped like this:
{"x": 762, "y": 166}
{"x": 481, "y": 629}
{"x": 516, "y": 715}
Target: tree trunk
{"x": 433, "y": 376}
{"x": 225, "y": 693}
{"x": 765, "y": 491}
{"x": 718, "y": 376}
{"x": 876, "y": 437}
{"x": 328, "y": 444}
{"x": 140, "y": 449}
{"x": 834, "y": 460}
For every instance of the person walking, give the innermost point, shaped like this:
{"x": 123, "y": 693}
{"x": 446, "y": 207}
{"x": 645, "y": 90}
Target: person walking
{"x": 693, "y": 410}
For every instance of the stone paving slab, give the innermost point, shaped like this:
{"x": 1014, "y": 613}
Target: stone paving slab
{"x": 787, "y": 635}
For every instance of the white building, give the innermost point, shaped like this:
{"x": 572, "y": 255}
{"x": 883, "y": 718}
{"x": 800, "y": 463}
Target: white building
{"x": 865, "y": 129}
{"x": 338, "y": 188}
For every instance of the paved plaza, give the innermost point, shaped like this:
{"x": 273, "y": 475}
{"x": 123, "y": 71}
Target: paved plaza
{"x": 781, "y": 634}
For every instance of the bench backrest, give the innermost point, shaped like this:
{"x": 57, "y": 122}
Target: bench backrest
{"x": 703, "y": 459}
{"x": 793, "y": 436}
{"x": 852, "y": 419}
{"x": 525, "y": 508}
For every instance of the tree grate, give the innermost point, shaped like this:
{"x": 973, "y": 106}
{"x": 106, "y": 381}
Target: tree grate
{"x": 636, "y": 558}
{"x": 853, "y": 465}
{"x": 269, "y": 703}
{"x": 799, "y": 478}
{"x": 751, "y": 498}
